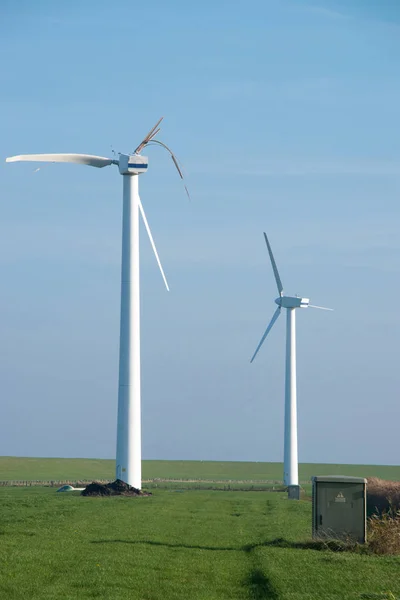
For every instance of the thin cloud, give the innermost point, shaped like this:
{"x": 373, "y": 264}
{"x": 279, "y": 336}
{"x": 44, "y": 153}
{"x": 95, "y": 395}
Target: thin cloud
{"x": 326, "y": 12}
{"x": 339, "y": 16}
{"x": 229, "y": 90}
{"x": 306, "y": 168}
{"x": 35, "y": 241}
{"x": 292, "y": 88}
{"x": 328, "y": 168}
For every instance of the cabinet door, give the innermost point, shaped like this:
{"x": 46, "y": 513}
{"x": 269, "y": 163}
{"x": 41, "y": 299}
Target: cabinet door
{"x": 341, "y": 510}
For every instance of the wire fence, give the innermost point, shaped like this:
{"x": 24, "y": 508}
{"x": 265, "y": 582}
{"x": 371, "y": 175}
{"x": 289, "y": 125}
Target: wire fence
{"x": 165, "y": 483}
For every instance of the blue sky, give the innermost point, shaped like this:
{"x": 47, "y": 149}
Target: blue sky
{"x": 285, "y": 117}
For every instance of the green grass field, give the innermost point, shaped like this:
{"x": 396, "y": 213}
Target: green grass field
{"x": 12, "y": 468}
{"x": 196, "y": 544}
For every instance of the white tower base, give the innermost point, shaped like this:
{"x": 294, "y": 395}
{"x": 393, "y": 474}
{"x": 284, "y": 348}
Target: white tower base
{"x": 129, "y": 459}
{"x": 290, "y": 468}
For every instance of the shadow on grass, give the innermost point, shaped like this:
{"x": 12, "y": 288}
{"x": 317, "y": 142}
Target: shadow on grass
{"x": 320, "y": 545}
{"x": 165, "y": 545}
{"x": 258, "y": 586}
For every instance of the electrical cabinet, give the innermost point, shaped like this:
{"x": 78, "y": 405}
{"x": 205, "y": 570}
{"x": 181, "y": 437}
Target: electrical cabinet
{"x": 339, "y": 507}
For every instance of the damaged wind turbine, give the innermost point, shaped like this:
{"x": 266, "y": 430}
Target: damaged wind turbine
{"x": 128, "y": 459}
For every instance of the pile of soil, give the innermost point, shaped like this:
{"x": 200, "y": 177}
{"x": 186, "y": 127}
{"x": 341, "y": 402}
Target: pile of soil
{"x": 382, "y": 495}
{"x": 116, "y": 488}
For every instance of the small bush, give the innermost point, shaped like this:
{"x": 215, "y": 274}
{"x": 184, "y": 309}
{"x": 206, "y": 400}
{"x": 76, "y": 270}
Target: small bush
{"x": 384, "y": 533}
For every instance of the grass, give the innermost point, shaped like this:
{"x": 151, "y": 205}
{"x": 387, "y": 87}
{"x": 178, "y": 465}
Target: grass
{"x": 172, "y": 546}
{"x": 44, "y": 469}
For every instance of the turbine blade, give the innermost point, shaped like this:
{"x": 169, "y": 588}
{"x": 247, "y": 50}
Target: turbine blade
{"x": 320, "y": 307}
{"x": 274, "y": 318}
{"x": 80, "y": 159}
{"x": 146, "y": 224}
{"x": 274, "y": 267}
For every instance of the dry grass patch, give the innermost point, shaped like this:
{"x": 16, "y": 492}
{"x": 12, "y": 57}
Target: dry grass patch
{"x": 383, "y": 507}
{"x": 384, "y": 533}
{"x": 382, "y": 496}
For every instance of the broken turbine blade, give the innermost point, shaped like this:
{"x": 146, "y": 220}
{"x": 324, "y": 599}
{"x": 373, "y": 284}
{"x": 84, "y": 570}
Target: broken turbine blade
{"x": 148, "y": 137}
{"x": 174, "y": 160}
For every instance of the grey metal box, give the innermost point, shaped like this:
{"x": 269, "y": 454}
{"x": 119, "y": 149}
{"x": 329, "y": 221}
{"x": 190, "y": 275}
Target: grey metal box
{"x": 339, "y": 507}
{"x": 293, "y": 492}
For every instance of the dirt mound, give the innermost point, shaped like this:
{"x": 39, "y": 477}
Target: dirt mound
{"x": 116, "y": 488}
{"x": 382, "y": 495}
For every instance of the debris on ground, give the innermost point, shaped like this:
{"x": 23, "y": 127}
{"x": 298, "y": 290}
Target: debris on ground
{"x": 66, "y": 488}
{"x": 116, "y": 488}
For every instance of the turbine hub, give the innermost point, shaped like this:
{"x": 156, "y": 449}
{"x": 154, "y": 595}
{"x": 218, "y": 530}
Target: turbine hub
{"x": 133, "y": 164}
{"x": 292, "y": 302}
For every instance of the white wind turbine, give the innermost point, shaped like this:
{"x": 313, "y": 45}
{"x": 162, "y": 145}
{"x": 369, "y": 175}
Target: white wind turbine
{"x": 129, "y": 459}
{"x": 290, "y": 467}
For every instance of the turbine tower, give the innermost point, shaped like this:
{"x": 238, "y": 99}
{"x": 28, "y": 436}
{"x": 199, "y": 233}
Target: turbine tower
{"x": 129, "y": 452}
{"x": 291, "y": 467}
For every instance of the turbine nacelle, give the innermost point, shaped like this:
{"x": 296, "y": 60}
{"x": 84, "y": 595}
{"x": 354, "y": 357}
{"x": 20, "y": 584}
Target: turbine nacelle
{"x": 292, "y": 302}
{"x": 133, "y": 164}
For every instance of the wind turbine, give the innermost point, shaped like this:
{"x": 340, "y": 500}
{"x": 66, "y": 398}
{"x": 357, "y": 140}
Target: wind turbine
{"x": 291, "y": 467}
{"x": 128, "y": 459}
